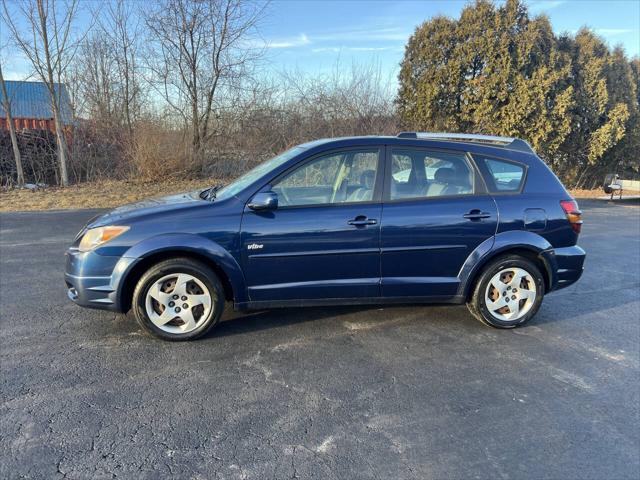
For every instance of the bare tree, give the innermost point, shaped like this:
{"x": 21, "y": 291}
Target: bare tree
{"x": 95, "y": 79}
{"x": 120, "y": 27}
{"x": 6, "y": 105}
{"x": 345, "y": 101}
{"x": 105, "y": 69}
{"x": 42, "y": 29}
{"x": 198, "y": 51}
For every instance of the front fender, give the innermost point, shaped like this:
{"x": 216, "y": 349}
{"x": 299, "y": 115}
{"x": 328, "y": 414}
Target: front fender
{"x": 187, "y": 243}
{"x": 503, "y": 242}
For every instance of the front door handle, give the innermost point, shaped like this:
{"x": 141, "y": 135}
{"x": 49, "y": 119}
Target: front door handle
{"x": 476, "y": 215}
{"x": 361, "y": 221}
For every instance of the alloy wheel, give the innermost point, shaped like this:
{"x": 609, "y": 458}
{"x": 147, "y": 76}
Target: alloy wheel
{"x": 178, "y": 303}
{"x": 510, "y": 294}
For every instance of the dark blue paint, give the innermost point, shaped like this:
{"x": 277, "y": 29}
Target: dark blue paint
{"x": 417, "y": 250}
{"x": 535, "y": 219}
{"x": 313, "y": 252}
{"x": 425, "y": 242}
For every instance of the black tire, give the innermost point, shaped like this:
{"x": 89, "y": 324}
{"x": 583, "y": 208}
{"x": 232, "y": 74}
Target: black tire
{"x": 477, "y": 303}
{"x": 178, "y": 265}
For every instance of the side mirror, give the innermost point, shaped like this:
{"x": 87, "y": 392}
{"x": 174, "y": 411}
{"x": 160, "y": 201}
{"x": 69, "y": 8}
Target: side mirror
{"x": 264, "y": 201}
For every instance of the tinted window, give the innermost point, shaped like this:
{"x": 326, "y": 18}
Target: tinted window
{"x": 348, "y": 176}
{"x": 505, "y": 176}
{"x": 425, "y": 173}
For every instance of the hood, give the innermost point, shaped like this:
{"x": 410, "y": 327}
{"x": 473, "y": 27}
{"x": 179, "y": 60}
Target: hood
{"x": 147, "y": 207}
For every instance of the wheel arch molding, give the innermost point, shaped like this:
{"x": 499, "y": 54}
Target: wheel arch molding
{"x": 152, "y": 250}
{"x": 527, "y": 244}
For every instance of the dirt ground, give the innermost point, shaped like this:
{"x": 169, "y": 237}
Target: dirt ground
{"x": 577, "y": 193}
{"x": 104, "y": 194}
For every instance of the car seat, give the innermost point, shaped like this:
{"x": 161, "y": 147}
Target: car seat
{"x": 365, "y": 191}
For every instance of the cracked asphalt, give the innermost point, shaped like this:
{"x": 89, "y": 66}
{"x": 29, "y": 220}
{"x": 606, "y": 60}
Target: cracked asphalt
{"x": 349, "y": 393}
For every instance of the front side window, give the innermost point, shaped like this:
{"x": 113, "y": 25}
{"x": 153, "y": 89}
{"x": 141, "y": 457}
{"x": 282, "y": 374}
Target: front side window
{"x": 254, "y": 174}
{"x": 417, "y": 173}
{"x": 338, "y": 177}
{"x": 503, "y": 176}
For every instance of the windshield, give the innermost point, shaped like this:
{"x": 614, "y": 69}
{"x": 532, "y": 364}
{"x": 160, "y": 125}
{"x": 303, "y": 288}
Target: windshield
{"x": 252, "y": 175}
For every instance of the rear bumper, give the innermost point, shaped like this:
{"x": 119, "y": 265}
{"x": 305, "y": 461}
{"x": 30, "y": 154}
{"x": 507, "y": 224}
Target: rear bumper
{"x": 93, "y": 280}
{"x": 570, "y": 265}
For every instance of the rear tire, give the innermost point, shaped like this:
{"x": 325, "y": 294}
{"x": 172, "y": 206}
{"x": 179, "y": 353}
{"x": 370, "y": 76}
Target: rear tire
{"x": 508, "y": 292}
{"x": 178, "y": 299}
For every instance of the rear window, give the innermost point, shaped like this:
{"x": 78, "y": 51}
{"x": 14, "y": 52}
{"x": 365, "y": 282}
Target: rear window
{"x": 504, "y": 176}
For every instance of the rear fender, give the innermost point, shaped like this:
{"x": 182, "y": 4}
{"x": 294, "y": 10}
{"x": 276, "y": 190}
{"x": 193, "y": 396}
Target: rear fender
{"x": 503, "y": 243}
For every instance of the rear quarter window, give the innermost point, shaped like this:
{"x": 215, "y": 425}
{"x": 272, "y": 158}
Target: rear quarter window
{"x": 502, "y": 176}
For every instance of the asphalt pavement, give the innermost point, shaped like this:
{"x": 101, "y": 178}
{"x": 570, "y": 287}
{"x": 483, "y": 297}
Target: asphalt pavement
{"x": 407, "y": 392}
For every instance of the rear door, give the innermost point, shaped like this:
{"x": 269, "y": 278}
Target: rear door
{"x": 435, "y": 213}
{"x": 323, "y": 240}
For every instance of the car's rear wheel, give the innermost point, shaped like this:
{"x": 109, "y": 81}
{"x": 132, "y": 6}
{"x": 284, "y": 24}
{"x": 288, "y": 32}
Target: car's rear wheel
{"x": 508, "y": 293}
{"x": 178, "y": 299}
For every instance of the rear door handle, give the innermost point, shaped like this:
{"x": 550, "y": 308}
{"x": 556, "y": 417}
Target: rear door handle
{"x": 361, "y": 221}
{"x": 476, "y": 215}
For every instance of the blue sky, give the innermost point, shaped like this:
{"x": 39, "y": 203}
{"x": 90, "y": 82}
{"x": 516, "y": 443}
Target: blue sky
{"x": 311, "y": 36}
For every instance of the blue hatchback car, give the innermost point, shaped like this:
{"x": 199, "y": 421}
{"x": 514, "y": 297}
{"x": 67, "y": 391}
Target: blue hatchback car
{"x": 417, "y": 218}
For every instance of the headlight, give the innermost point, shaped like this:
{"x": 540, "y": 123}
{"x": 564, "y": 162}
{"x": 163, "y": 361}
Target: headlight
{"x": 99, "y": 236}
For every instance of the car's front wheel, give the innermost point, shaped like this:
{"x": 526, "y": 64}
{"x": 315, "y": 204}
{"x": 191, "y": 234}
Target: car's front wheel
{"x": 508, "y": 293}
{"x": 178, "y": 299}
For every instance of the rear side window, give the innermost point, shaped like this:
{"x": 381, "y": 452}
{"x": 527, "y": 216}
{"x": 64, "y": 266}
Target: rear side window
{"x": 503, "y": 176}
{"x": 401, "y": 166}
{"x": 418, "y": 173}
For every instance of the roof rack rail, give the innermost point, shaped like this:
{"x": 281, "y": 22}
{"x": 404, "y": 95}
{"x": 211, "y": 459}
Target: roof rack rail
{"x": 492, "y": 140}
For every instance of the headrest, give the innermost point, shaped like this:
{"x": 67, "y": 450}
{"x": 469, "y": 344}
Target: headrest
{"x": 367, "y": 178}
{"x": 445, "y": 175}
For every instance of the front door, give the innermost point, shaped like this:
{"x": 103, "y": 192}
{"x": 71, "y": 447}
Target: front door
{"x": 435, "y": 214}
{"x": 322, "y": 242}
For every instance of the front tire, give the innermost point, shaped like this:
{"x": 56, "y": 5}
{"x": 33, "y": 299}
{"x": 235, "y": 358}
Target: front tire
{"x": 178, "y": 299}
{"x": 508, "y": 292}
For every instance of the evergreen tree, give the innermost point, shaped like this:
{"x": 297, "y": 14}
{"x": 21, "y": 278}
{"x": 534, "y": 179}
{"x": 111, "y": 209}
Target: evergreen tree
{"x": 497, "y": 70}
{"x": 603, "y": 102}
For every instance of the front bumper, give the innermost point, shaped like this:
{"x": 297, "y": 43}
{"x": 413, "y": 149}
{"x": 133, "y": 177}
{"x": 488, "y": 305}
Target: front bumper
{"x": 94, "y": 280}
{"x": 570, "y": 265}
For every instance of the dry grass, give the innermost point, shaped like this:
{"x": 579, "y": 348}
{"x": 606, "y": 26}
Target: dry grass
{"x": 112, "y": 193}
{"x": 576, "y": 193}
{"x": 105, "y": 194}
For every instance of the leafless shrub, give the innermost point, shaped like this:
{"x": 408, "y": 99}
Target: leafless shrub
{"x": 294, "y": 108}
{"x": 98, "y": 152}
{"x": 158, "y": 152}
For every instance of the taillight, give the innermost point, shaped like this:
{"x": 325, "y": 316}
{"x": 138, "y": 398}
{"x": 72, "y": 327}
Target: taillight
{"x": 573, "y": 213}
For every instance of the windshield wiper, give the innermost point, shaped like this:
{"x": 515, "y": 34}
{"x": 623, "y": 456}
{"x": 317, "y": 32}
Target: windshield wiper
{"x": 210, "y": 193}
